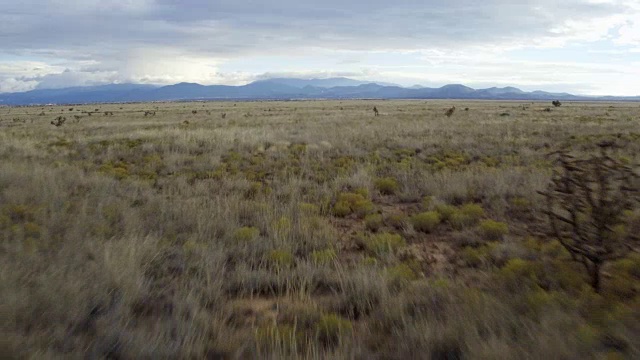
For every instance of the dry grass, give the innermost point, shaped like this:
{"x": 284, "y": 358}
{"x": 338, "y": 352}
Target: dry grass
{"x": 182, "y": 235}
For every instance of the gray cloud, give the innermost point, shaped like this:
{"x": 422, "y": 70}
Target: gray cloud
{"x": 112, "y": 40}
{"x": 229, "y": 27}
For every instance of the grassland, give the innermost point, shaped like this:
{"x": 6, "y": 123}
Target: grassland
{"x": 302, "y": 229}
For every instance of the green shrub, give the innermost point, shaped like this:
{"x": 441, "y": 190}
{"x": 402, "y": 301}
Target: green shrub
{"x": 284, "y": 337}
{"x": 440, "y": 283}
{"x": 621, "y": 286}
{"x": 445, "y": 211}
{"x": 119, "y": 169}
{"x": 32, "y": 230}
{"x": 473, "y": 257}
{"x": 364, "y": 192}
{"x": 554, "y": 249}
{"x": 323, "y": 257}
{"x": 254, "y": 189}
{"x": 538, "y": 300}
{"x": 396, "y": 221}
{"x": 20, "y": 213}
{"x": 518, "y": 270}
{"x": 281, "y": 259}
{"x": 467, "y": 215}
{"x": 520, "y": 205}
{"x": 567, "y": 275}
{"x": 5, "y": 222}
{"x": 369, "y": 261}
{"x": 341, "y": 209}
{"x": 426, "y": 202}
{"x": 282, "y": 227}
{"x": 303, "y": 315}
{"x": 384, "y": 243}
{"x": 459, "y": 221}
{"x": 588, "y": 336}
{"x": 629, "y": 265}
{"x": 309, "y": 209}
{"x": 386, "y": 186}
{"x": 426, "y": 221}
{"x": 352, "y": 203}
{"x": 401, "y": 274}
{"x": 246, "y": 233}
{"x": 351, "y": 198}
{"x": 362, "y": 208}
{"x": 331, "y": 328}
{"x": 373, "y": 222}
{"x": 493, "y": 230}
{"x": 473, "y": 211}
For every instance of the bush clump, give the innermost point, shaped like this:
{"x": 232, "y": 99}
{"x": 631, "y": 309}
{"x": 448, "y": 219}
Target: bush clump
{"x": 427, "y": 221}
{"x": 467, "y": 215}
{"x": 323, "y": 257}
{"x": 629, "y": 265}
{"x": 341, "y": 209}
{"x": 493, "y": 230}
{"x": 518, "y": 270}
{"x": 309, "y": 209}
{"x": 281, "y": 259}
{"x": 373, "y": 222}
{"x": 279, "y": 336}
{"x": 427, "y": 201}
{"x": 282, "y": 227}
{"x": 384, "y": 243}
{"x": 352, "y": 203}
{"x": 401, "y": 274}
{"x": 445, "y": 211}
{"x": 396, "y": 221}
{"x": 473, "y": 211}
{"x": 331, "y": 328}
{"x": 246, "y": 234}
{"x": 473, "y": 257}
{"x": 386, "y": 186}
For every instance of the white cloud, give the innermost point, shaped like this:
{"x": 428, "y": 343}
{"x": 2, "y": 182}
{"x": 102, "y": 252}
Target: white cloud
{"x": 629, "y": 32}
{"x": 166, "y": 66}
{"x": 16, "y": 85}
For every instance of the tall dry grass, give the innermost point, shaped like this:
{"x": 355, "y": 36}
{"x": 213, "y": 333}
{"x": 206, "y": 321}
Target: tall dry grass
{"x": 186, "y": 235}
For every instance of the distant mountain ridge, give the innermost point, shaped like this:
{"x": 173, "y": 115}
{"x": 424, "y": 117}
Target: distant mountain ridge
{"x": 321, "y": 83}
{"x": 280, "y": 89}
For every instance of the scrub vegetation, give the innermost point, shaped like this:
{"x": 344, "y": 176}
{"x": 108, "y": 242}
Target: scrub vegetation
{"x": 315, "y": 229}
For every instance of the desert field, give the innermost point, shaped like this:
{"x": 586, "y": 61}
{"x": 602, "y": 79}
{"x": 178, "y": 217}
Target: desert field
{"x": 305, "y": 229}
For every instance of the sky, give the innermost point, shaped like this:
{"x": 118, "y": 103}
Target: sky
{"x": 589, "y": 47}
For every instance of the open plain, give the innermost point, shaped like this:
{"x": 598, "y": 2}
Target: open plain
{"x": 309, "y": 229}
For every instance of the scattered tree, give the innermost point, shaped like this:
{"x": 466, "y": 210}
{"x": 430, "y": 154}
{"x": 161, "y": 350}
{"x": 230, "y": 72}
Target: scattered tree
{"x": 59, "y": 121}
{"x": 450, "y": 111}
{"x": 588, "y": 203}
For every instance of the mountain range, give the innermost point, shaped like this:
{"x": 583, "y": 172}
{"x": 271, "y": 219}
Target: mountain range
{"x": 279, "y": 89}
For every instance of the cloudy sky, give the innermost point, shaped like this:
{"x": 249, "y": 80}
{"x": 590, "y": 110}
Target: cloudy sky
{"x": 579, "y": 46}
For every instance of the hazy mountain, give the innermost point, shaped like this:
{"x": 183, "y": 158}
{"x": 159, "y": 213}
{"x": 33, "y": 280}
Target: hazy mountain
{"x": 278, "y": 89}
{"x": 85, "y": 94}
{"x": 320, "y": 83}
{"x": 495, "y": 91}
